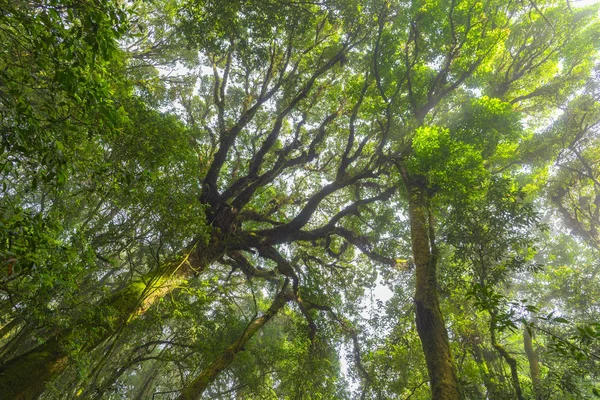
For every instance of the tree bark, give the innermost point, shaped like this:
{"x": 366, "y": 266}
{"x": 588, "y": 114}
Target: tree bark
{"x": 15, "y": 342}
{"x": 430, "y": 323}
{"x": 24, "y": 377}
{"x": 6, "y": 329}
{"x": 196, "y": 387}
{"x": 144, "y": 392}
{"x": 511, "y": 361}
{"x": 534, "y": 364}
{"x": 485, "y": 368}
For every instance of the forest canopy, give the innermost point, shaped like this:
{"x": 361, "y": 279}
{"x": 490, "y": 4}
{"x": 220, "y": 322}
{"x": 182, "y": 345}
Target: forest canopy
{"x": 281, "y": 199}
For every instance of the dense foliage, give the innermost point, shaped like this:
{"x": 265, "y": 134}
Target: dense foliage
{"x": 374, "y": 199}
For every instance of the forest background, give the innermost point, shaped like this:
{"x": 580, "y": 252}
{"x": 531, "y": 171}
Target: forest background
{"x": 204, "y": 199}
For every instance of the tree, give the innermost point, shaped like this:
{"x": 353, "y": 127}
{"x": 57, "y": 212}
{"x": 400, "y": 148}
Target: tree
{"x": 574, "y": 190}
{"x": 305, "y": 156}
{"x": 431, "y": 85}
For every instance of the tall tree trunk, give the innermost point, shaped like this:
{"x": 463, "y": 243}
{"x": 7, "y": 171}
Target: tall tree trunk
{"x": 196, "y": 388}
{"x": 485, "y": 367}
{"x": 534, "y": 364}
{"x": 511, "y": 361}
{"x": 24, "y": 377}
{"x": 6, "y": 329}
{"x": 15, "y": 342}
{"x": 430, "y": 323}
{"x": 145, "y": 391}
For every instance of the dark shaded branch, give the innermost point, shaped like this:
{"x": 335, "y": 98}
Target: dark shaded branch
{"x": 227, "y": 137}
{"x": 250, "y": 270}
{"x": 283, "y": 233}
{"x": 351, "y": 332}
{"x": 257, "y": 160}
{"x": 381, "y": 22}
{"x": 283, "y": 266}
{"x": 280, "y": 165}
{"x": 363, "y": 245}
{"x": 346, "y": 158}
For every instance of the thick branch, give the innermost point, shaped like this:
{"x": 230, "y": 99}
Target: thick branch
{"x": 198, "y": 385}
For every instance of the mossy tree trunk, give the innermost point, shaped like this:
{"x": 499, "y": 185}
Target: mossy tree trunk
{"x": 484, "y": 364}
{"x": 430, "y": 323}
{"x": 24, "y": 377}
{"x": 534, "y": 363}
{"x": 145, "y": 391}
{"x": 511, "y": 361}
{"x": 198, "y": 385}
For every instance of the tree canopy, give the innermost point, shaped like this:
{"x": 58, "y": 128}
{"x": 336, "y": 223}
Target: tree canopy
{"x": 368, "y": 199}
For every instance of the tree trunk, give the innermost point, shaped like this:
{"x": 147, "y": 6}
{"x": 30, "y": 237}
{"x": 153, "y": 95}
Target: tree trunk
{"x": 6, "y": 329}
{"x": 13, "y": 345}
{"x": 430, "y": 323}
{"x": 485, "y": 368}
{"x": 145, "y": 391}
{"x": 512, "y": 362}
{"x": 24, "y": 377}
{"x": 196, "y": 388}
{"x": 534, "y": 364}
